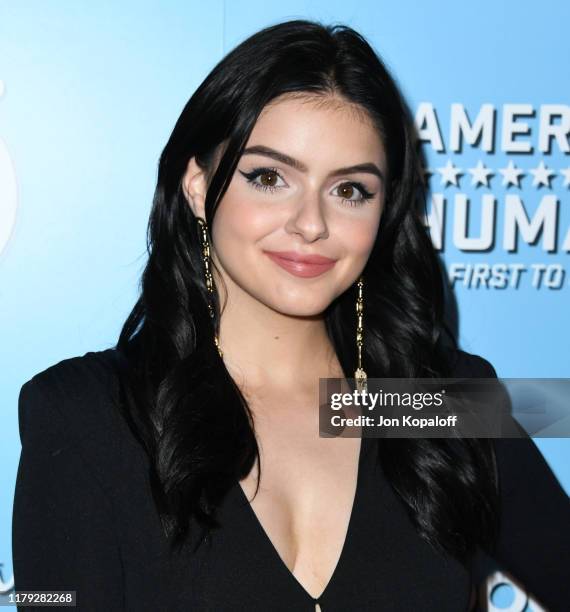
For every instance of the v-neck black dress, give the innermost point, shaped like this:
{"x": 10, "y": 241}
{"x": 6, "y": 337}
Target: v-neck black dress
{"x": 383, "y": 565}
{"x": 84, "y": 520}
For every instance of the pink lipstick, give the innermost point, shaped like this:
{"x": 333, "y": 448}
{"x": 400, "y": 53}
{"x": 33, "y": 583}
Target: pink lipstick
{"x": 305, "y": 266}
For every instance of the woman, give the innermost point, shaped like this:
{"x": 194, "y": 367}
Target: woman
{"x": 182, "y": 469}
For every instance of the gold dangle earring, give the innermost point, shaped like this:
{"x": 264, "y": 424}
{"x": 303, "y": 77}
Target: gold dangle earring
{"x": 360, "y": 374}
{"x": 203, "y": 234}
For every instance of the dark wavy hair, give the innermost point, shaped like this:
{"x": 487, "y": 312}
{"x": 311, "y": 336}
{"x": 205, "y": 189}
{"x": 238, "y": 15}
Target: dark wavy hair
{"x": 179, "y": 399}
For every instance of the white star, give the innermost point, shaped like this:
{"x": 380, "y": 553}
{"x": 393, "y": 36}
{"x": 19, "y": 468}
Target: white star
{"x": 511, "y": 175}
{"x": 542, "y": 175}
{"x": 449, "y": 174}
{"x": 566, "y": 174}
{"x": 480, "y": 174}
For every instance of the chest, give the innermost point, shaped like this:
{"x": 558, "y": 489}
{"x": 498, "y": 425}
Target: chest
{"x": 383, "y": 564}
{"x": 304, "y": 503}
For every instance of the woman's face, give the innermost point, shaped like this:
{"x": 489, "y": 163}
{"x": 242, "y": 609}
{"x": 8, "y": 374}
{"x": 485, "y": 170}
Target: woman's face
{"x": 296, "y": 191}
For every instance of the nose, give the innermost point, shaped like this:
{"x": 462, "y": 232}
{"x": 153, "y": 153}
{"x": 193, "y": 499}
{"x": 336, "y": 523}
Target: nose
{"x": 308, "y": 220}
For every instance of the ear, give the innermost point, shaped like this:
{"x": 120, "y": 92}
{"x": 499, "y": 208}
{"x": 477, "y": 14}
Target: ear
{"x": 194, "y": 186}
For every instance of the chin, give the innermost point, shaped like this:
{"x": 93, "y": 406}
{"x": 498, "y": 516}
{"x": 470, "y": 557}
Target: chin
{"x": 296, "y": 308}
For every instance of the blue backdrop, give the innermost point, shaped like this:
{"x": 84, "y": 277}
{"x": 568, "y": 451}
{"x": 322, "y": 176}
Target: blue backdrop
{"x": 90, "y": 93}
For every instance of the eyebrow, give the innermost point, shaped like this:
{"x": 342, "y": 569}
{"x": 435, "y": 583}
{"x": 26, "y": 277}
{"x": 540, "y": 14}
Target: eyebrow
{"x": 367, "y": 167}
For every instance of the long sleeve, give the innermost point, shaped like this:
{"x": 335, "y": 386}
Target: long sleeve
{"x": 534, "y": 540}
{"x": 63, "y": 534}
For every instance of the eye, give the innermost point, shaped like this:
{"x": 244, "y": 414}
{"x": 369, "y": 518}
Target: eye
{"x": 268, "y": 178}
{"x": 347, "y": 191}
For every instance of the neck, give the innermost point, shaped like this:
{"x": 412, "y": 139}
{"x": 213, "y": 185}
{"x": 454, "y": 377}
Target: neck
{"x": 263, "y": 347}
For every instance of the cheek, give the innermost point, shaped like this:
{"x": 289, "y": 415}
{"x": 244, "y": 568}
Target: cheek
{"x": 240, "y": 220}
{"x": 241, "y": 203}
{"x": 358, "y": 235}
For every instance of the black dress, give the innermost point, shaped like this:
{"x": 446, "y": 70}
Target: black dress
{"x": 84, "y": 520}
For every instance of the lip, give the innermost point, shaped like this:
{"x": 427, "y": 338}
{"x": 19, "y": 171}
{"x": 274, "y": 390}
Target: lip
{"x": 305, "y": 266}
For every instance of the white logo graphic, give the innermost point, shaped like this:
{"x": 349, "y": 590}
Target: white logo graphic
{"x": 520, "y": 600}
{"x": 5, "y": 587}
{"x": 8, "y": 191}
{"x": 516, "y": 208}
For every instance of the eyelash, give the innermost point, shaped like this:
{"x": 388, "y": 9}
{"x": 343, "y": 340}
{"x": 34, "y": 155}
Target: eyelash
{"x": 251, "y": 176}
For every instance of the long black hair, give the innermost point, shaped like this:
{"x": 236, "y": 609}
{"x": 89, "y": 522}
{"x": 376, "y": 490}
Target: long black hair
{"x": 179, "y": 399}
